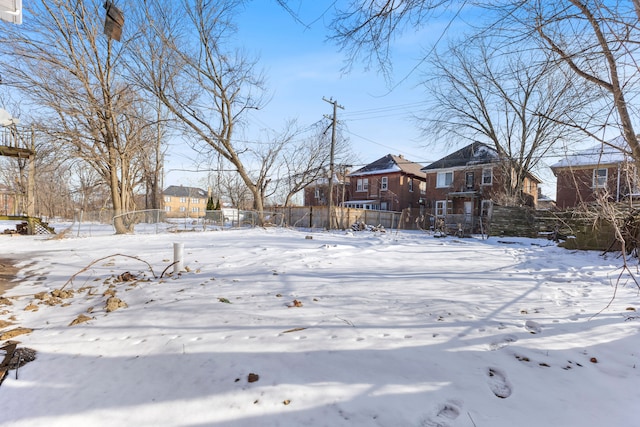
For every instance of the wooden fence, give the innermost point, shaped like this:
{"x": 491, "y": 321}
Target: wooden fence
{"x": 343, "y": 218}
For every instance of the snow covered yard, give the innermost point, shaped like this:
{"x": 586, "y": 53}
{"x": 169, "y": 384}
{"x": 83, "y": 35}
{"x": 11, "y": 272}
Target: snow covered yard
{"x": 267, "y": 327}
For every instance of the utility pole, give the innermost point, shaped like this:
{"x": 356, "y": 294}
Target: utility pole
{"x": 331, "y": 161}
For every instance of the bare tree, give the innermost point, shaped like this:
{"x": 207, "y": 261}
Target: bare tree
{"x": 307, "y": 160}
{"x": 517, "y": 102}
{"x": 365, "y": 29}
{"x": 60, "y": 59}
{"x": 185, "y": 62}
{"x": 598, "y": 41}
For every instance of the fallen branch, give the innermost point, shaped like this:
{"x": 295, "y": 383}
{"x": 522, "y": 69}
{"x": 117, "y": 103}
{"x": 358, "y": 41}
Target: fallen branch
{"x": 102, "y": 259}
{"x": 168, "y": 267}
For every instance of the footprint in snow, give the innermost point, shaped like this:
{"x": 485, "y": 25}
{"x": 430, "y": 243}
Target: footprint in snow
{"x": 498, "y": 383}
{"x": 533, "y": 327}
{"x": 503, "y": 342}
{"x": 444, "y": 414}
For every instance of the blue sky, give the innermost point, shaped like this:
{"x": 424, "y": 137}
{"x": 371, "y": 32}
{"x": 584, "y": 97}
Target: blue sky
{"x": 301, "y": 68}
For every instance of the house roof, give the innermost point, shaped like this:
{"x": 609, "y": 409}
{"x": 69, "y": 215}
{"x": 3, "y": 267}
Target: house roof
{"x": 597, "y": 155}
{"x": 476, "y": 153}
{"x": 180, "y": 191}
{"x": 389, "y": 164}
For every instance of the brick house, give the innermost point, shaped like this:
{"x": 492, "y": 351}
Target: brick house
{"x": 182, "y": 201}
{"x": 463, "y": 186}
{"x": 600, "y": 169}
{"x": 317, "y": 194}
{"x": 391, "y": 183}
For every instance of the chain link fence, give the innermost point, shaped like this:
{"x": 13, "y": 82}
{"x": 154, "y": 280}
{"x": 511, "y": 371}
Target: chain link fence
{"x": 155, "y": 221}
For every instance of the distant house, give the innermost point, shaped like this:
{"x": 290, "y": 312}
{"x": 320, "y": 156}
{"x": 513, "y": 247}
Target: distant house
{"x": 464, "y": 185}
{"x": 183, "y": 202}
{"x": 602, "y": 169}
{"x": 317, "y": 194}
{"x": 391, "y": 183}
{"x": 7, "y": 201}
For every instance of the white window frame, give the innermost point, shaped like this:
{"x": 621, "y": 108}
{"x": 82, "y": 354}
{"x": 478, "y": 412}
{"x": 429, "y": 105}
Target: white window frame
{"x": 183, "y": 209}
{"x": 600, "y": 181}
{"x": 384, "y": 183}
{"x": 195, "y": 209}
{"x": 441, "y": 179}
{"x": 487, "y": 176}
{"x": 441, "y": 208}
{"x": 469, "y": 185}
{"x": 183, "y": 200}
{"x": 317, "y": 193}
{"x": 195, "y": 201}
{"x": 167, "y": 208}
{"x": 167, "y": 199}
{"x": 362, "y": 184}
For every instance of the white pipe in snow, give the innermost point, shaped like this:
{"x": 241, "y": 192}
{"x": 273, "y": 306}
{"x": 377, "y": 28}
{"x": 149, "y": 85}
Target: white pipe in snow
{"x": 178, "y": 257}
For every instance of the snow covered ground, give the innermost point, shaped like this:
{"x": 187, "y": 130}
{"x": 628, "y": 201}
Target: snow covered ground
{"x": 277, "y": 327}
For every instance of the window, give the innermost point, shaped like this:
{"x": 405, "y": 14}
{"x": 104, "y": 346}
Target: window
{"x": 363, "y": 184}
{"x": 384, "y": 183}
{"x": 167, "y": 199}
{"x": 469, "y": 180}
{"x": 487, "y": 176}
{"x": 167, "y": 208}
{"x": 317, "y": 193}
{"x": 183, "y": 200}
{"x": 182, "y": 209}
{"x": 441, "y": 208}
{"x": 195, "y": 210}
{"x": 195, "y": 201}
{"x": 444, "y": 179}
{"x": 599, "y": 178}
{"x": 423, "y": 187}
{"x": 411, "y": 185}
{"x": 384, "y": 206}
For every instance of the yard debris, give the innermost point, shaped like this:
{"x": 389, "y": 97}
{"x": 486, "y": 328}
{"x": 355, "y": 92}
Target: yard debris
{"x": 5, "y": 301}
{"x": 70, "y": 281}
{"x": 224, "y": 300}
{"x": 14, "y": 333}
{"x": 80, "y": 319}
{"x": 295, "y": 303}
{"x": 252, "y": 378}
{"x": 22, "y": 356}
{"x": 286, "y": 402}
{"x": 293, "y": 330}
{"x": 14, "y": 358}
{"x": 126, "y": 277}
{"x": 60, "y": 293}
{"x": 110, "y": 292}
{"x": 31, "y": 307}
{"x": 361, "y": 226}
{"x": 115, "y": 303}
